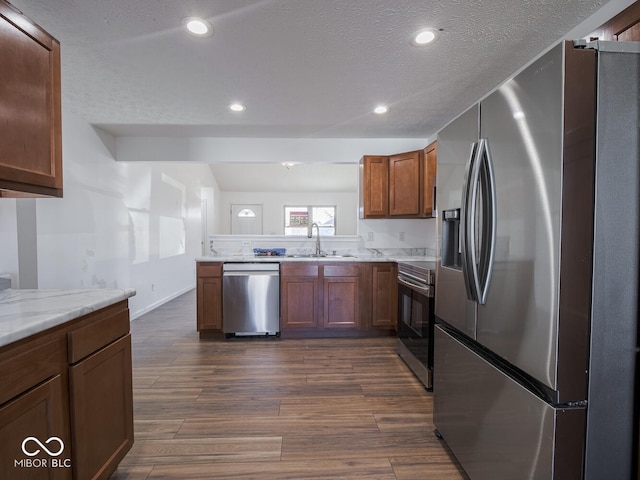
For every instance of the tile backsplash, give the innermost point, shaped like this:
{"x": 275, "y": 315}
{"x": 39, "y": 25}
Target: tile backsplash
{"x": 228, "y": 245}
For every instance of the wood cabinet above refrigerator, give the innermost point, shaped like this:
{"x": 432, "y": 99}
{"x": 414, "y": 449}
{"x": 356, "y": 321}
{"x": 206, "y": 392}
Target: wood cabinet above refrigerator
{"x": 31, "y": 125}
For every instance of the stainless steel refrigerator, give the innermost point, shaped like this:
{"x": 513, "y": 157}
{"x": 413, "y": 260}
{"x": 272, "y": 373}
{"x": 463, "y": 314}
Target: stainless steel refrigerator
{"x": 537, "y": 274}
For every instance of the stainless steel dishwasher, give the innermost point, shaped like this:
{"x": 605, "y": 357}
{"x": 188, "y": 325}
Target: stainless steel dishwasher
{"x": 251, "y": 299}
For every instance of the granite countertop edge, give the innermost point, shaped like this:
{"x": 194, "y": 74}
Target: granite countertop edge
{"x": 27, "y": 312}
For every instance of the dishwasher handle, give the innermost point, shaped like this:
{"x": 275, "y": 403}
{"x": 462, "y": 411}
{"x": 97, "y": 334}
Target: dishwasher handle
{"x": 246, "y": 267}
{"x": 251, "y": 273}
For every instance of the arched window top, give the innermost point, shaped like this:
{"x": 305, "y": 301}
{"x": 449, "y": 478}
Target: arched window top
{"x": 246, "y": 213}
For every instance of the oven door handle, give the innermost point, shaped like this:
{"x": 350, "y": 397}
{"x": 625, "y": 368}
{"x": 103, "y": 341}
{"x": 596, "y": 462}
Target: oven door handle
{"x": 426, "y": 290}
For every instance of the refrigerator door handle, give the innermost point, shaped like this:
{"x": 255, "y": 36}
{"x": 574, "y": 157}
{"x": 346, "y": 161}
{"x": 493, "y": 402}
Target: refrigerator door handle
{"x": 489, "y": 217}
{"x": 467, "y": 224}
{"x": 475, "y": 255}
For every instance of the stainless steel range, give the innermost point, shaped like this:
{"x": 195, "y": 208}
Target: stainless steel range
{"x": 416, "y": 281}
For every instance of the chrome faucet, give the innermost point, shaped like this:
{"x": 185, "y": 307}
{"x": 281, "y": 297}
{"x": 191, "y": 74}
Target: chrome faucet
{"x": 310, "y": 235}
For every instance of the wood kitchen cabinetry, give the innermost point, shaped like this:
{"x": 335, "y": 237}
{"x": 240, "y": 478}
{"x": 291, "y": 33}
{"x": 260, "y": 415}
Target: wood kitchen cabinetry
{"x": 399, "y": 186}
{"x": 34, "y": 402}
{"x": 319, "y": 299}
{"x": 209, "y": 299}
{"x": 374, "y": 187}
{"x": 341, "y": 296}
{"x": 337, "y": 299}
{"x": 404, "y": 183}
{"x": 384, "y": 296}
{"x": 429, "y": 180}
{"x": 101, "y": 393}
{"x": 72, "y": 382}
{"x": 300, "y": 296}
{"x": 31, "y": 129}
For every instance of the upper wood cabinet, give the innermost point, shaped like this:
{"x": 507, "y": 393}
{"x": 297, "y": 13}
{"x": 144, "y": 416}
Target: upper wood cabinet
{"x": 399, "y": 186}
{"x": 624, "y": 27}
{"x": 374, "y": 186}
{"x": 429, "y": 180}
{"x": 30, "y": 125}
{"x": 404, "y": 183}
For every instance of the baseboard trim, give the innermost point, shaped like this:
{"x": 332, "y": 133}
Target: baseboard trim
{"x": 160, "y": 302}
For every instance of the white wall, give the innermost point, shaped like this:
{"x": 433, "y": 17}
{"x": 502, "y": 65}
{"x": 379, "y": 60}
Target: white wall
{"x": 273, "y": 208}
{"x": 9, "y": 239}
{"x": 118, "y": 226}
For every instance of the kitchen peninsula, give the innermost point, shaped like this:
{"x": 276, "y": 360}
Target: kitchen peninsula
{"x": 65, "y": 371}
{"x": 328, "y": 296}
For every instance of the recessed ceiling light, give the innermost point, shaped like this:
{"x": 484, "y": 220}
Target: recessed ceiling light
{"x": 380, "y": 109}
{"x": 424, "y": 36}
{"x": 237, "y": 107}
{"x": 198, "y": 27}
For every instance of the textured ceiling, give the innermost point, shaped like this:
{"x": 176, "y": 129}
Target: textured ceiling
{"x": 304, "y": 68}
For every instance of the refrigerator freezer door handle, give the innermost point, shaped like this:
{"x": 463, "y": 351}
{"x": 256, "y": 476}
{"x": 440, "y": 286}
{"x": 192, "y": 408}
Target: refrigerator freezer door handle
{"x": 489, "y": 216}
{"x": 467, "y": 224}
{"x": 472, "y": 234}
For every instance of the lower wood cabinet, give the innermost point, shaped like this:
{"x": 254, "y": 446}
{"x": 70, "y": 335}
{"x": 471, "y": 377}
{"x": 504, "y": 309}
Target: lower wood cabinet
{"x": 384, "y": 295}
{"x": 66, "y": 393}
{"x": 317, "y": 299}
{"x": 38, "y": 415}
{"x": 101, "y": 400}
{"x": 334, "y": 299}
{"x": 209, "y": 299}
{"x": 341, "y": 296}
{"x": 300, "y": 295}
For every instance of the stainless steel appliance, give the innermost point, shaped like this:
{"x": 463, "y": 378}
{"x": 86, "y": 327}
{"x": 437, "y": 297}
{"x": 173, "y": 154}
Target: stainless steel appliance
{"x": 415, "y": 318}
{"x": 537, "y": 273}
{"x": 251, "y": 298}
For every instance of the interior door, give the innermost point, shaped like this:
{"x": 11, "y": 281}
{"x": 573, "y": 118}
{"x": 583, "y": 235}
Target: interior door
{"x": 246, "y": 219}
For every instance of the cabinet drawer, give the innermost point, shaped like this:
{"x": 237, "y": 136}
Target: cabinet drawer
{"x": 108, "y": 325}
{"x": 209, "y": 269}
{"x": 25, "y": 366}
{"x": 299, "y": 269}
{"x": 341, "y": 270}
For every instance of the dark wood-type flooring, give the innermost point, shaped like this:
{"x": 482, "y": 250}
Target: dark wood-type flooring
{"x": 275, "y": 409}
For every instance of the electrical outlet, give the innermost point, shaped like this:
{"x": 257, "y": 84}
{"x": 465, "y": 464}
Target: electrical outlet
{"x": 153, "y": 287}
{"x": 369, "y": 236}
{"x": 246, "y": 243}
{"x": 401, "y": 235}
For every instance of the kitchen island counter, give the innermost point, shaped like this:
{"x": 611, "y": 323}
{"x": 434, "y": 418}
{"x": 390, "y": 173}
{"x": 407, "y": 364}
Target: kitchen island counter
{"x": 27, "y": 312}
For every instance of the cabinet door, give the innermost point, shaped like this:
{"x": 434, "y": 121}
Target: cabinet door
{"x": 39, "y": 413}
{"x": 209, "y": 296}
{"x": 31, "y": 134}
{"x": 374, "y": 187}
{"x": 209, "y": 303}
{"x": 429, "y": 180}
{"x": 102, "y": 414}
{"x": 299, "y": 302}
{"x": 384, "y": 295}
{"x": 404, "y": 183}
{"x": 341, "y": 302}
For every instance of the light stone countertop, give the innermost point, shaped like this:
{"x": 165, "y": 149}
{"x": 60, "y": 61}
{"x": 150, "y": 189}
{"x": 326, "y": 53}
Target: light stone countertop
{"x": 27, "y": 312}
{"x": 328, "y": 258}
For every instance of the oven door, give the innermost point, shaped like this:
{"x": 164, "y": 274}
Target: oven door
{"x": 415, "y": 328}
